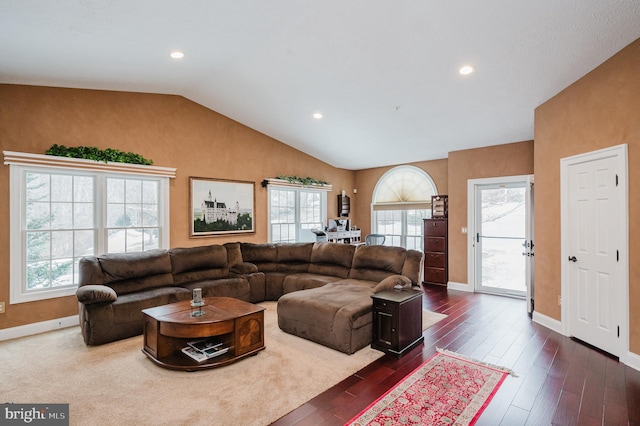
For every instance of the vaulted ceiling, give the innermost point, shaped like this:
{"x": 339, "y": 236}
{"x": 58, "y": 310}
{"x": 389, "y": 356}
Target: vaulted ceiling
{"x": 383, "y": 74}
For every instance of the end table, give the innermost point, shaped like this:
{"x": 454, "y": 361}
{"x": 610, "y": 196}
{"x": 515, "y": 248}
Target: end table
{"x": 397, "y": 321}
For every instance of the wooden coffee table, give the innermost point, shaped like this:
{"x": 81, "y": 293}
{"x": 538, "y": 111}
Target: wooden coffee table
{"x": 237, "y": 325}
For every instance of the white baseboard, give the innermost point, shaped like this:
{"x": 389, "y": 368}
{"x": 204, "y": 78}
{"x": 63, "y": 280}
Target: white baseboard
{"x": 39, "y": 327}
{"x": 459, "y": 286}
{"x": 633, "y": 361}
{"x": 548, "y": 322}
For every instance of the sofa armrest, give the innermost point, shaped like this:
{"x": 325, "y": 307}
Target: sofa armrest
{"x": 89, "y": 294}
{"x": 244, "y": 268}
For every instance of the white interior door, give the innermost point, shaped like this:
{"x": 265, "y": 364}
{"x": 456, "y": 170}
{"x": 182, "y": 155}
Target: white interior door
{"x": 595, "y": 285}
{"x": 503, "y": 236}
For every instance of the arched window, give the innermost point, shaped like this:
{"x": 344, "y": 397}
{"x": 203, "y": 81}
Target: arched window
{"x": 401, "y": 199}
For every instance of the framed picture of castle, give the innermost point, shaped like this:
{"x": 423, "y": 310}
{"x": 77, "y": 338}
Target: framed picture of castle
{"x": 219, "y": 207}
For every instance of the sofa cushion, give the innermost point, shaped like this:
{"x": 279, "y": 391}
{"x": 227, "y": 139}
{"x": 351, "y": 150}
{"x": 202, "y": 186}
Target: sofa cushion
{"x": 264, "y": 256}
{"x": 326, "y": 302}
{"x": 90, "y": 271}
{"x": 128, "y": 308}
{"x": 121, "y": 266}
{"x": 294, "y": 257}
{"x": 234, "y": 254}
{"x": 132, "y": 272}
{"x": 199, "y": 263}
{"x": 391, "y": 282}
{"x": 331, "y": 259}
{"x": 305, "y": 281}
{"x": 375, "y": 263}
{"x": 235, "y": 263}
{"x": 413, "y": 266}
{"x": 357, "y": 283}
{"x": 229, "y": 287}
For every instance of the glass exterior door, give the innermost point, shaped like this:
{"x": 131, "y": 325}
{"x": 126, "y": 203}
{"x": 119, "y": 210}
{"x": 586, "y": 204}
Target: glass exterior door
{"x": 504, "y": 247}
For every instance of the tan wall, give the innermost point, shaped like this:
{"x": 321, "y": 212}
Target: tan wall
{"x": 170, "y": 130}
{"x": 493, "y": 161}
{"x": 600, "y": 110}
{"x": 366, "y": 180}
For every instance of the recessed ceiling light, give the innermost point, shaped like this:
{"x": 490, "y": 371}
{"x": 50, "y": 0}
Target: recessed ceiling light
{"x": 177, "y": 55}
{"x": 317, "y": 115}
{"x": 466, "y": 70}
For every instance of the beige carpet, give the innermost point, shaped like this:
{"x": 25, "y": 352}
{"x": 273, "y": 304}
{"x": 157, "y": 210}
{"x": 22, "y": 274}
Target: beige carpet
{"x": 429, "y": 318}
{"x": 116, "y": 384}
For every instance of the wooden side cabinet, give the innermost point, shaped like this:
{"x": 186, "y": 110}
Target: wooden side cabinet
{"x": 397, "y": 321}
{"x": 436, "y": 252}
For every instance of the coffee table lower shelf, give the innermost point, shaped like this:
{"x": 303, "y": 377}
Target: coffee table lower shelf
{"x": 180, "y": 361}
{"x": 237, "y": 325}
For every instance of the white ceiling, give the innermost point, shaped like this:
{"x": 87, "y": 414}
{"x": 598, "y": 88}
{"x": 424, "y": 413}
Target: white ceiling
{"x": 384, "y": 73}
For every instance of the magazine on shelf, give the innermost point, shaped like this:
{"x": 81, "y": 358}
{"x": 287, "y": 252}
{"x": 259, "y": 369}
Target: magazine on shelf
{"x": 194, "y": 354}
{"x": 204, "y": 344}
{"x": 202, "y": 350}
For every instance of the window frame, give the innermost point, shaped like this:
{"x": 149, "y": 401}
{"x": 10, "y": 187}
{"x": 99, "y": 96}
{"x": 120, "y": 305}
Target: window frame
{"x": 297, "y": 190}
{"x": 105, "y": 203}
{"x": 402, "y": 207}
{"x": 404, "y": 224}
{"x": 23, "y": 163}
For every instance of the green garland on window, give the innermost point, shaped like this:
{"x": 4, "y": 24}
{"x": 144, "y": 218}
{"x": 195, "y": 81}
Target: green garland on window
{"x": 96, "y": 154}
{"x": 304, "y": 181}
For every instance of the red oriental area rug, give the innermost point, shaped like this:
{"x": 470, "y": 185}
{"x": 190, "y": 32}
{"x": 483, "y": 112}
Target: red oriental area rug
{"x": 448, "y": 389}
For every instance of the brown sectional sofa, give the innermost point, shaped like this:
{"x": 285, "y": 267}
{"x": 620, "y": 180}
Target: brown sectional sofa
{"x": 323, "y": 289}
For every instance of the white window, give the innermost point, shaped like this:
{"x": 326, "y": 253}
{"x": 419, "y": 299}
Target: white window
{"x": 401, "y": 200}
{"x": 403, "y": 228}
{"x": 59, "y": 215}
{"x": 293, "y": 212}
{"x": 133, "y": 214}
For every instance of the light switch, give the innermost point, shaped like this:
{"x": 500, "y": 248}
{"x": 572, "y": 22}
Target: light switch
{"x": 464, "y": 230}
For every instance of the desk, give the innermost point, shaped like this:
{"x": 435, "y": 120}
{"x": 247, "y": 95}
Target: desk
{"x": 343, "y": 236}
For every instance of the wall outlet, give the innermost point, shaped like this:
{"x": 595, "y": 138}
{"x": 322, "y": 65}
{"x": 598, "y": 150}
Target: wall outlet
{"x": 1, "y": 307}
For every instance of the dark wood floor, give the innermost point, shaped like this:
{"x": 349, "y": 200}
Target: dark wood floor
{"x": 560, "y": 381}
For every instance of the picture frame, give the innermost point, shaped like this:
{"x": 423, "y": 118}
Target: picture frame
{"x": 220, "y": 207}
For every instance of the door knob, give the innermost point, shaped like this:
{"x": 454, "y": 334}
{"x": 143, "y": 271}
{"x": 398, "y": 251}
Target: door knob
{"x": 573, "y": 258}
